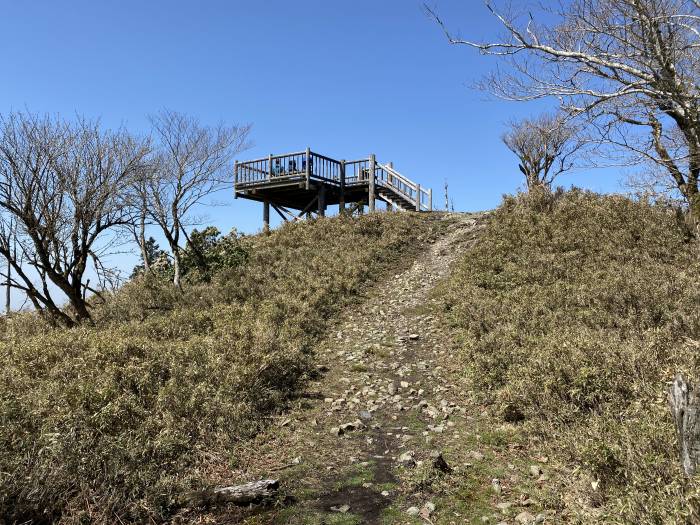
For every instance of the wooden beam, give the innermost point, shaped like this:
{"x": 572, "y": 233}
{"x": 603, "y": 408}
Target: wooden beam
{"x": 237, "y": 495}
{"x": 266, "y": 217}
{"x": 277, "y": 209}
{"x": 355, "y": 207}
{"x": 235, "y": 178}
{"x": 308, "y": 206}
{"x": 372, "y": 177}
{"x": 308, "y": 167}
{"x": 418, "y": 197}
{"x": 341, "y": 204}
{"x": 322, "y": 201}
{"x": 390, "y": 180}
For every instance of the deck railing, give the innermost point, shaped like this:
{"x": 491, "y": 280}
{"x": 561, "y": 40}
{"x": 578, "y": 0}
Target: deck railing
{"x": 307, "y": 166}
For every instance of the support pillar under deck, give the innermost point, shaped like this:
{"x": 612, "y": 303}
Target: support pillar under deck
{"x": 372, "y": 178}
{"x": 322, "y": 201}
{"x": 341, "y": 204}
{"x": 266, "y": 217}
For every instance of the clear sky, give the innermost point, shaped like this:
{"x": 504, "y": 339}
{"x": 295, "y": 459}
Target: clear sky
{"x": 346, "y": 78}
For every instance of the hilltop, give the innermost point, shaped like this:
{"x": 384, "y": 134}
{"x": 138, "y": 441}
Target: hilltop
{"x": 509, "y": 366}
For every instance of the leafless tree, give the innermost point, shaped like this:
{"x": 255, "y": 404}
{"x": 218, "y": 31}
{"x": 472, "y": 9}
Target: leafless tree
{"x": 62, "y": 185}
{"x": 192, "y": 162}
{"x": 631, "y": 67}
{"x": 8, "y": 230}
{"x": 546, "y": 147}
{"x": 138, "y": 200}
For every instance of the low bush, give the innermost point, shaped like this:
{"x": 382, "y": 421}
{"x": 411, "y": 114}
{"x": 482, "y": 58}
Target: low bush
{"x": 573, "y": 312}
{"x": 115, "y": 422}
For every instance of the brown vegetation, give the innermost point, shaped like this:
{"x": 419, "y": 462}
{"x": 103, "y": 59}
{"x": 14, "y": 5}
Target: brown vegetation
{"x": 574, "y": 311}
{"x": 115, "y": 422}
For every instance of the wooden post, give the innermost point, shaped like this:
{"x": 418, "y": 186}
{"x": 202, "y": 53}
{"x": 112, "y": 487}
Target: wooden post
{"x": 685, "y": 407}
{"x": 447, "y": 199}
{"x": 269, "y": 167}
{"x": 266, "y": 217}
{"x": 235, "y": 178}
{"x": 390, "y": 180}
{"x": 417, "y": 197}
{"x": 322, "y": 200}
{"x": 308, "y": 167}
{"x": 430, "y": 199}
{"x": 341, "y": 204}
{"x": 372, "y": 175}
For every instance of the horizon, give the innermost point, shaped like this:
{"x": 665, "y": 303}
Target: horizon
{"x": 344, "y": 80}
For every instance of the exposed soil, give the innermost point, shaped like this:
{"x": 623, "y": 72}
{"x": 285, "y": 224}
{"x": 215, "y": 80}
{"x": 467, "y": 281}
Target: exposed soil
{"x": 387, "y": 363}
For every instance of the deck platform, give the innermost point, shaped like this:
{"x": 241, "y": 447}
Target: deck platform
{"x": 297, "y": 185}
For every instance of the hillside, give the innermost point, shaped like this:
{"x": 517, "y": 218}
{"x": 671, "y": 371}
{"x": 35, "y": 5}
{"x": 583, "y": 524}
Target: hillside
{"x": 117, "y": 422}
{"x": 571, "y": 316}
{"x": 509, "y": 367}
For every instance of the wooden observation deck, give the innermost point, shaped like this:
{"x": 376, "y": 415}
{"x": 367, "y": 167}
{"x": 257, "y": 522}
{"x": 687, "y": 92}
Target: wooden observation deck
{"x": 308, "y": 183}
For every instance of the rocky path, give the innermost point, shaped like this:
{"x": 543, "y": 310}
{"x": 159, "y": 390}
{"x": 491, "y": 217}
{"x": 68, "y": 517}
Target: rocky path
{"x": 387, "y": 433}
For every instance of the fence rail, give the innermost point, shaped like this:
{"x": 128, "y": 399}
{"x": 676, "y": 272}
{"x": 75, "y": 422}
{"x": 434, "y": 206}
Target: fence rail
{"x": 306, "y": 166}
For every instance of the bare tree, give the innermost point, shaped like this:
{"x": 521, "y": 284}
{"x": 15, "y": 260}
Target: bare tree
{"x": 138, "y": 200}
{"x": 10, "y": 234}
{"x": 631, "y": 67}
{"x": 62, "y": 186}
{"x": 546, "y": 147}
{"x": 192, "y": 163}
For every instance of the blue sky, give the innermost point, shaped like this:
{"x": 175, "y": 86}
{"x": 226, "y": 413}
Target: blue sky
{"x": 346, "y": 78}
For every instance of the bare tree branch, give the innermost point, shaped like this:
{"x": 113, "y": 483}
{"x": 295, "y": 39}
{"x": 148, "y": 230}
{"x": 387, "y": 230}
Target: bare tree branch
{"x": 631, "y": 68}
{"x": 191, "y": 163}
{"x": 546, "y": 147}
{"x": 63, "y": 184}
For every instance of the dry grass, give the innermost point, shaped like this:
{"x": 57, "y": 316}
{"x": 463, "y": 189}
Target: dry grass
{"x": 573, "y": 313}
{"x": 115, "y": 422}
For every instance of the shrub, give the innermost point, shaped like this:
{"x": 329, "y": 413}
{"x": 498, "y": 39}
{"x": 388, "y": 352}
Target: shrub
{"x": 574, "y": 311}
{"x": 113, "y": 423}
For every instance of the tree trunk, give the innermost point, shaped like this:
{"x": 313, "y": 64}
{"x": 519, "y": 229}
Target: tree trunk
{"x": 694, "y": 209}
{"x": 176, "y": 267}
{"x": 175, "y": 245}
{"x": 8, "y": 296}
{"x": 57, "y": 316}
{"x": 142, "y": 243}
{"x": 79, "y": 305}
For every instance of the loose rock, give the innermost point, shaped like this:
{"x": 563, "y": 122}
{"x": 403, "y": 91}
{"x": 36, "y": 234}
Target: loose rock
{"x": 535, "y": 471}
{"x": 407, "y": 460}
{"x": 525, "y": 517}
{"x": 439, "y": 463}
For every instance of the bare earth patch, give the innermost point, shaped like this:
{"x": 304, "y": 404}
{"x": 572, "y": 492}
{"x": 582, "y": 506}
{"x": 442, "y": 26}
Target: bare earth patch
{"x": 361, "y": 445}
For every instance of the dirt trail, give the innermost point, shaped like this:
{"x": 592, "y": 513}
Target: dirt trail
{"x": 385, "y": 371}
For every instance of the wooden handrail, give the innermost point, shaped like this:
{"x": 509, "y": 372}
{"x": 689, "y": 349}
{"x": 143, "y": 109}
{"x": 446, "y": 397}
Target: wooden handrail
{"x": 321, "y": 167}
{"x": 358, "y": 161}
{"x": 313, "y": 153}
{"x": 398, "y": 176}
{"x": 274, "y": 157}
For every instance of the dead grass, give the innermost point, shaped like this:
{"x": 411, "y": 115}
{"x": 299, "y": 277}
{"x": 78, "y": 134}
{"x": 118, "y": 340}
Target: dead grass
{"x": 114, "y": 423}
{"x": 573, "y": 313}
